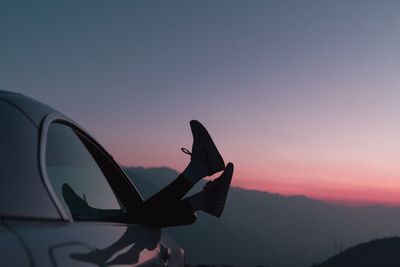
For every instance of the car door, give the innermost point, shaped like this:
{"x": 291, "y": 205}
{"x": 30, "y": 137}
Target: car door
{"x": 13, "y": 251}
{"x": 94, "y": 197}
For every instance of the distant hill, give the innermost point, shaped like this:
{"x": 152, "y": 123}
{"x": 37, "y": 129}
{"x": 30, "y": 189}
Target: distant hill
{"x": 260, "y": 228}
{"x": 381, "y": 252}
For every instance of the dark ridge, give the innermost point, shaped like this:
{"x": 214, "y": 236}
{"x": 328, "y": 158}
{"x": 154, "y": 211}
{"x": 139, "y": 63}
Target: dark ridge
{"x": 379, "y": 252}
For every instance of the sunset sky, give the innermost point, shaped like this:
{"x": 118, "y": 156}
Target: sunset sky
{"x": 303, "y": 96}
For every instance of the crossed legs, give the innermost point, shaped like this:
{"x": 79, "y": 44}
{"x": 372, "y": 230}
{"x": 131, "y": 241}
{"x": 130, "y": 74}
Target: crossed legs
{"x": 169, "y": 207}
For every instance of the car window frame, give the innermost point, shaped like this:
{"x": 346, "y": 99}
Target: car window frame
{"x": 123, "y": 188}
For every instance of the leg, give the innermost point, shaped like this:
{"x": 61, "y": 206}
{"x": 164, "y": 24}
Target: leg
{"x": 213, "y": 197}
{"x": 173, "y": 192}
{"x": 171, "y": 214}
{"x": 165, "y": 207}
{"x": 205, "y": 161}
{"x": 182, "y": 212}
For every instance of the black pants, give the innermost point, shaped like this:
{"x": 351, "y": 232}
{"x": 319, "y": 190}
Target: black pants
{"x": 167, "y": 208}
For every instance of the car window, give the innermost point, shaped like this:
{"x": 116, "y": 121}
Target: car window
{"x": 77, "y": 178}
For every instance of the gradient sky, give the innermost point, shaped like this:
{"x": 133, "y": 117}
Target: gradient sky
{"x": 303, "y": 96}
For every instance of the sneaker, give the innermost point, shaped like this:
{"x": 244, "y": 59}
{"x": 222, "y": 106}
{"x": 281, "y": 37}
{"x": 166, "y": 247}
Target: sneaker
{"x": 204, "y": 149}
{"x": 217, "y": 192}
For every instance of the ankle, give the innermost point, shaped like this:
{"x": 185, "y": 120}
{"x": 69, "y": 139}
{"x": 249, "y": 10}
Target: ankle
{"x": 197, "y": 201}
{"x": 195, "y": 171}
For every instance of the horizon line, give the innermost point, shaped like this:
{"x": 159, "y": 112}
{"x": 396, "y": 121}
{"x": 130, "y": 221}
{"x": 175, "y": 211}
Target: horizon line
{"x": 340, "y": 201}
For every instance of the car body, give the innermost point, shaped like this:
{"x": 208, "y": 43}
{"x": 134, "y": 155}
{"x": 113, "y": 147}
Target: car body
{"x": 42, "y": 154}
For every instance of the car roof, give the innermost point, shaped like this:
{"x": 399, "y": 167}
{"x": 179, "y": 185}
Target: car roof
{"x": 34, "y": 110}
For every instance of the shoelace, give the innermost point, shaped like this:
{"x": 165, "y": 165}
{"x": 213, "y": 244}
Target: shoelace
{"x": 186, "y": 151}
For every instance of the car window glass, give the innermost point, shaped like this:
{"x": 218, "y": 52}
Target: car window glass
{"x": 76, "y": 177}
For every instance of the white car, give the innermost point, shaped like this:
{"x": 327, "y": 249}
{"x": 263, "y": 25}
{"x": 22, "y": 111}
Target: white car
{"x": 48, "y": 164}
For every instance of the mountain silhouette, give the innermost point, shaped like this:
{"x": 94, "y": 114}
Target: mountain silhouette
{"x": 379, "y": 252}
{"x": 261, "y": 228}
